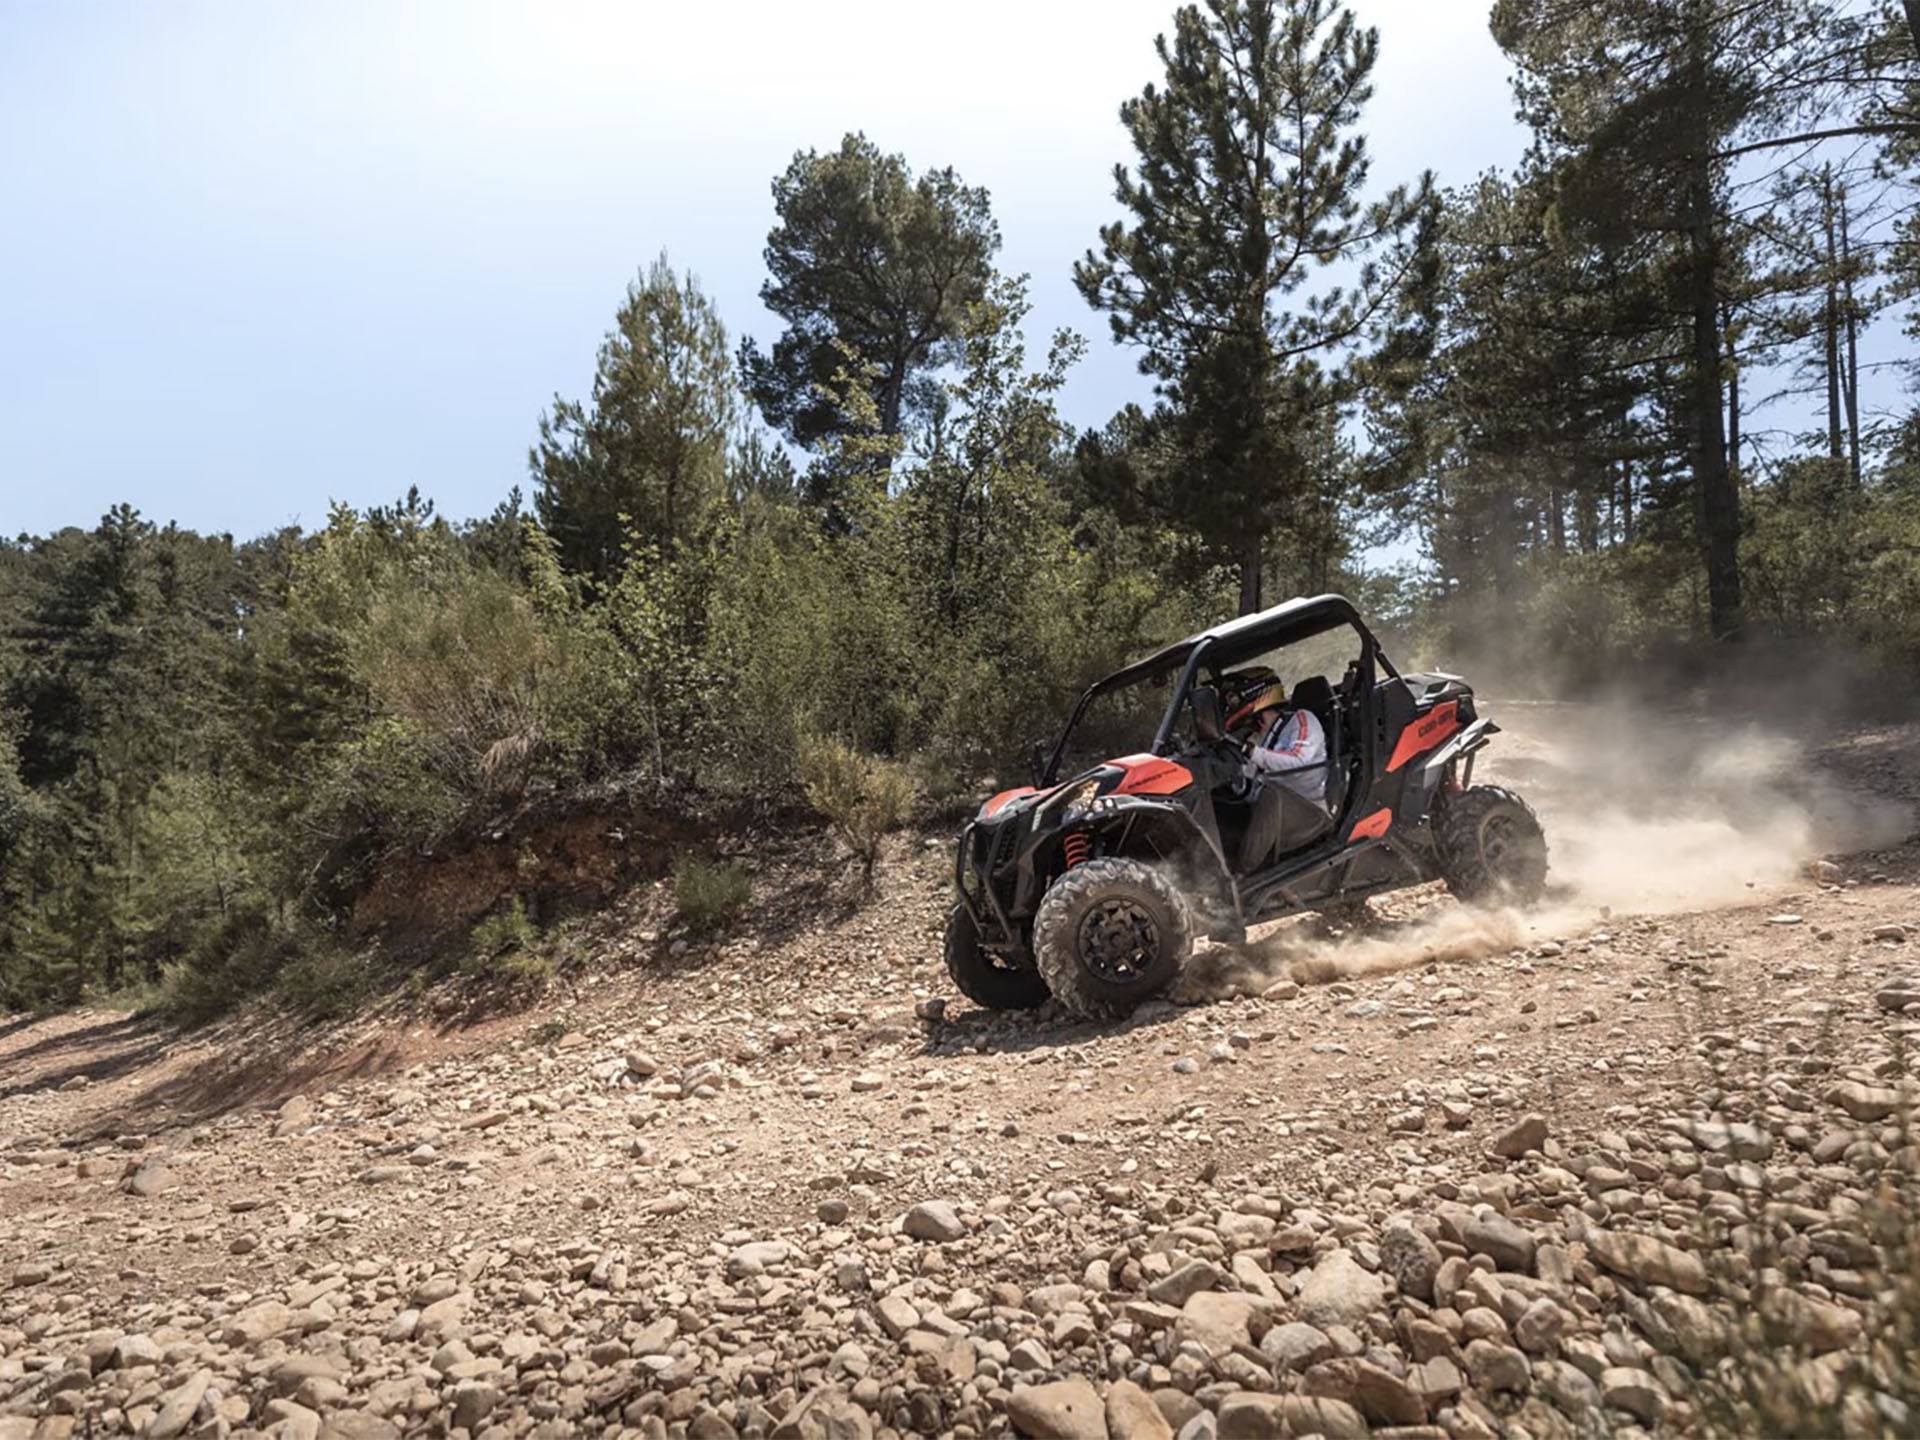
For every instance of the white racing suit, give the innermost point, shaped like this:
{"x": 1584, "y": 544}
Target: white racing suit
{"x": 1294, "y": 753}
{"x": 1291, "y": 755}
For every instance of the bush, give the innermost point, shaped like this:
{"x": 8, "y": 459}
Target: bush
{"x": 506, "y": 946}
{"x": 862, "y": 797}
{"x": 709, "y": 894}
{"x": 327, "y": 983}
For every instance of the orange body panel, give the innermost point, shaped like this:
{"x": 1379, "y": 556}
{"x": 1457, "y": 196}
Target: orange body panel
{"x": 1425, "y": 733}
{"x": 992, "y": 807}
{"x": 1373, "y": 827}
{"x": 1151, "y": 775}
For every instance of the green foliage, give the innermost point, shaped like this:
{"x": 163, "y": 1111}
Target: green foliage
{"x": 709, "y": 894}
{"x": 1248, "y": 184}
{"x": 647, "y": 455}
{"x": 862, "y": 797}
{"x": 506, "y": 946}
{"x": 327, "y": 983}
{"x": 868, "y": 259}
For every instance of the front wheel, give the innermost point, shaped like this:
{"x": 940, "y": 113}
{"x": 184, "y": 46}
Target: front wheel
{"x": 1491, "y": 845}
{"x": 1110, "y": 934}
{"x": 982, "y": 977}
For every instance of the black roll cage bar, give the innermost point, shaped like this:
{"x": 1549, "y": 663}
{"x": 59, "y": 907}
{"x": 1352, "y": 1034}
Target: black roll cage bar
{"x": 1244, "y": 638}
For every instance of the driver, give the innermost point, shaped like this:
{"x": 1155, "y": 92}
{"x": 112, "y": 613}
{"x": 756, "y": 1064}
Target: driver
{"x": 1284, "y": 744}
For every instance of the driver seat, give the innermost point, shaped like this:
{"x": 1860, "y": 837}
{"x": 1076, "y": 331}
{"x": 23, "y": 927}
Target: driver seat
{"x": 1316, "y": 693}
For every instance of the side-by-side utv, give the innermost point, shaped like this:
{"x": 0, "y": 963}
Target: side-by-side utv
{"x": 1090, "y": 890}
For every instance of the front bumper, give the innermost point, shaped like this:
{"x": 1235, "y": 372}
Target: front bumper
{"x": 986, "y": 876}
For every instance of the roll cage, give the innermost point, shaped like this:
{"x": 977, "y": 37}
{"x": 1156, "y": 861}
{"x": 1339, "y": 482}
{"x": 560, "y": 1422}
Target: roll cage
{"x": 1221, "y": 648}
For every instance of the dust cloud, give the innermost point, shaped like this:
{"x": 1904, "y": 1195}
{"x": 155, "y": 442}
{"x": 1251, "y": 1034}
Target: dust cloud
{"x": 1646, "y": 813}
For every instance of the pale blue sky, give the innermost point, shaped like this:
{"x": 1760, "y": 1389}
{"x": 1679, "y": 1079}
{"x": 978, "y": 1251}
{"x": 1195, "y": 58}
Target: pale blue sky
{"x": 257, "y": 255}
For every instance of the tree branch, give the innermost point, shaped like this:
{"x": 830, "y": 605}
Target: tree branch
{"x": 1812, "y": 136}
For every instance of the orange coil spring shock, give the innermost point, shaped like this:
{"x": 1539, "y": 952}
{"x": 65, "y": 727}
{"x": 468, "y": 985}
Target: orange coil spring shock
{"x": 1076, "y": 846}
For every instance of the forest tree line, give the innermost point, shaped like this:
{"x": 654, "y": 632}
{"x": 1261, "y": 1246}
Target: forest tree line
{"x": 1615, "y": 393}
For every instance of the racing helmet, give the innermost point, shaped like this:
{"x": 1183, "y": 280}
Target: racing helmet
{"x": 1245, "y": 693}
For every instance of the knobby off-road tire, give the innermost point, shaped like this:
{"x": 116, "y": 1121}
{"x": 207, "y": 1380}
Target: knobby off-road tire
{"x": 1110, "y": 934}
{"x": 981, "y": 978}
{"x": 1491, "y": 846}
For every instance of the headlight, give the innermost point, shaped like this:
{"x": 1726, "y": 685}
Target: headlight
{"x": 1074, "y": 798}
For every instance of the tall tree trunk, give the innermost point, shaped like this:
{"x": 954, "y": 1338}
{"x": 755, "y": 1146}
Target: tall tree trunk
{"x": 1733, "y": 405}
{"x": 1830, "y": 320}
{"x": 1853, "y": 342}
{"x": 1249, "y": 558}
{"x": 1626, "y": 501}
{"x": 1717, "y": 497}
{"x": 1718, "y": 500}
{"x": 1913, "y": 22}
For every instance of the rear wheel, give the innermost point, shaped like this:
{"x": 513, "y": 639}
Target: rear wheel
{"x": 1110, "y": 934}
{"x": 1491, "y": 845}
{"x": 982, "y": 976}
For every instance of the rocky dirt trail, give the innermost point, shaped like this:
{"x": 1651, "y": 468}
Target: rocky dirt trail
{"x": 1624, "y": 1164}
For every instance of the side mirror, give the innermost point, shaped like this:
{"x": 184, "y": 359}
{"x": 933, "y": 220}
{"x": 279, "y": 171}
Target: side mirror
{"x": 1037, "y": 762}
{"x": 1208, "y": 723}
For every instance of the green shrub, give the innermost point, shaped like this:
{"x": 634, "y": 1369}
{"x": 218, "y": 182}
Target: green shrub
{"x": 862, "y": 797}
{"x": 326, "y": 983}
{"x": 506, "y": 946}
{"x": 709, "y": 894}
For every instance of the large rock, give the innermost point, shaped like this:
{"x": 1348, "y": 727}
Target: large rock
{"x": 258, "y": 1323}
{"x": 1647, "y": 1261}
{"x": 1815, "y": 1323}
{"x": 1064, "y": 1410}
{"x": 294, "y": 1116}
{"x": 1295, "y": 1345}
{"x": 1270, "y": 1417}
{"x": 1218, "y": 1320}
{"x": 178, "y": 1407}
{"x": 1864, "y": 1102}
{"x": 150, "y": 1177}
{"x": 1186, "y": 1282}
{"x": 1411, "y": 1258}
{"x": 1502, "y": 1241}
{"x": 1529, "y": 1133}
{"x": 933, "y": 1220}
{"x": 1132, "y": 1415}
{"x": 828, "y": 1413}
{"x": 1339, "y": 1292}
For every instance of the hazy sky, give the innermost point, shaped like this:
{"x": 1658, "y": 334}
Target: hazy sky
{"x": 255, "y": 255}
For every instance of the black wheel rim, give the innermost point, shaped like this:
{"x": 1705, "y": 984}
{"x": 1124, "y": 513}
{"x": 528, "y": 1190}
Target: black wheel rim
{"x": 1119, "y": 941}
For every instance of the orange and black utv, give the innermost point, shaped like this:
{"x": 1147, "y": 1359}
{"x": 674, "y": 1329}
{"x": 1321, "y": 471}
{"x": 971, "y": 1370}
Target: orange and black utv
{"x": 1090, "y": 890}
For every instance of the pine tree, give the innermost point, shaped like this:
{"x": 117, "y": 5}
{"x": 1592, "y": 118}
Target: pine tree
{"x": 1641, "y": 109}
{"x": 1248, "y": 187}
{"x": 647, "y": 454}
{"x": 865, "y": 257}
